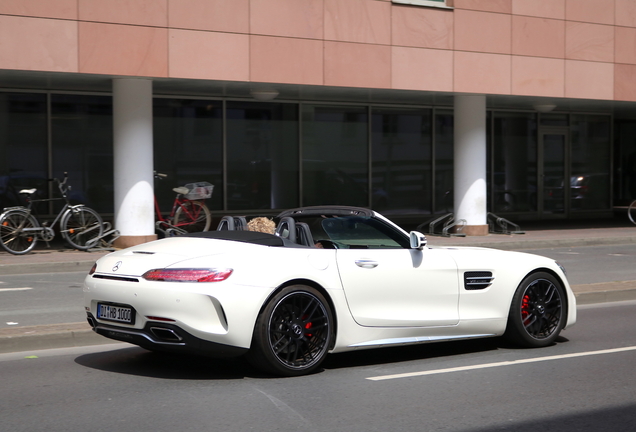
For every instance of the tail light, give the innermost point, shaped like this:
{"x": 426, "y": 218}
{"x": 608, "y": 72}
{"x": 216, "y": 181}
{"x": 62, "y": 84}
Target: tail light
{"x": 187, "y": 275}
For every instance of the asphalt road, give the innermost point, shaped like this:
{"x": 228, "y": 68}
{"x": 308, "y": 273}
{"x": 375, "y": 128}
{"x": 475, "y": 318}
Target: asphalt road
{"x": 27, "y": 300}
{"x": 594, "y": 264}
{"x": 585, "y": 382}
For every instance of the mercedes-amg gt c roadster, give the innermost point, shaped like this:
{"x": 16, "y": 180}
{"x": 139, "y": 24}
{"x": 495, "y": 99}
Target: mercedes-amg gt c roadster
{"x": 331, "y": 279}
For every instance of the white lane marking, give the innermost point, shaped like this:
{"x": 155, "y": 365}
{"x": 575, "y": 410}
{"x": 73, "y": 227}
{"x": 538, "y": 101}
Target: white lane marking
{"x": 506, "y": 363}
{"x": 15, "y": 289}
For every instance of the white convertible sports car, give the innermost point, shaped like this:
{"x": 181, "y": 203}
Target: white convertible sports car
{"x": 332, "y": 279}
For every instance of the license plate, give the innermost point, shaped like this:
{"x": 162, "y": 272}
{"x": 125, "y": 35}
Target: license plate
{"x": 115, "y": 313}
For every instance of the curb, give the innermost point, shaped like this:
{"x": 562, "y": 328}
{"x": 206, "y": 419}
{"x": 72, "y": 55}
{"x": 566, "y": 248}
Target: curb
{"x": 35, "y": 338}
{"x": 518, "y": 243}
{"x": 46, "y": 267}
{"x": 605, "y": 292}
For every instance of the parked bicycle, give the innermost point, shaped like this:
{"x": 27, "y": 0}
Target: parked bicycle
{"x": 631, "y": 212}
{"x": 189, "y": 212}
{"x": 80, "y": 226}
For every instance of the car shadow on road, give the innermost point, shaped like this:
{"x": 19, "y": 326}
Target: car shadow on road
{"x": 395, "y": 355}
{"x": 140, "y": 362}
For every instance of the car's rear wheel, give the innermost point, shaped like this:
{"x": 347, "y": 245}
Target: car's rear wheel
{"x": 538, "y": 311}
{"x": 293, "y": 333}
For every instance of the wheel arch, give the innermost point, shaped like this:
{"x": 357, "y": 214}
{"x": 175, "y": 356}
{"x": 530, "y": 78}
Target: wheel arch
{"x": 556, "y": 276}
{"x": 551, "y": 272}
{"x": 315, "y": 285}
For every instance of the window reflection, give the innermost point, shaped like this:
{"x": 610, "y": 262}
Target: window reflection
{"x": 590, "y": 180}
{"x": 23, "y": 156}
{"x": 82, "y": 135}
{"x": 335, "y": 155}
{"x": 444, "y": 170}
{"x": 188, "y": 147}
{"x": 401, "y": 149}
{"x": 625, "y": 162}
{"x": 515, "y": 162}
{"x": 262, "y": 155}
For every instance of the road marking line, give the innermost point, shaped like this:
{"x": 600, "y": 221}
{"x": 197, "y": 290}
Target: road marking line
{"x": 506, "y": 363}
{"x": 15, "y": 289}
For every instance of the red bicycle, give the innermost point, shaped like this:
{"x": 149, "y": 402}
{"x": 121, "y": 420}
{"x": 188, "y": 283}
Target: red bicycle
{"x": 189, "y": 212}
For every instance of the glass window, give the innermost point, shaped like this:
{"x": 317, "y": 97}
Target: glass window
{"x": 23, "y": 143}
{"x": 444, "y": 171}
{"x": 590, "y": 168}
{"x": 514, "y": 177}
{"x": 359, "y": 232}
{"x": 188, "y": 147}
{"x": 401, "y": 151}
{"x": 335, "y": 155}
{"x": 82, "y": 135}
{"x": 625, "y": 161}
{"x": 554, "y": 120}
{"x": 262, "y": 155}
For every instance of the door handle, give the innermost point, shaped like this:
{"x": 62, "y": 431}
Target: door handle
{"x": 365, "y": 263}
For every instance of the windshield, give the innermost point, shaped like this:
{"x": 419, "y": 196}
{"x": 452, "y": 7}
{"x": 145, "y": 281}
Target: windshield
{"x": 363, "y": 233}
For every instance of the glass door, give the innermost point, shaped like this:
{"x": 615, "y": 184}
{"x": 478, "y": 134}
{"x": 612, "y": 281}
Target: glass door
{"x": 554, "y": 189}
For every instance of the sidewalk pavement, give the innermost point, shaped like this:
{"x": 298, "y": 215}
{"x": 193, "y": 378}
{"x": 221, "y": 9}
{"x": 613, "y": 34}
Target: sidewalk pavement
{"x": 537, "y": 235}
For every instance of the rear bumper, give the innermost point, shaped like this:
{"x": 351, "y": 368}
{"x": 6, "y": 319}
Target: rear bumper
{"x": 159, "y": 336}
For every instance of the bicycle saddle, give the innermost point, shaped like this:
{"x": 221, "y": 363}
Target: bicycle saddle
{"x": 28, "y": 191}
{"x": 181, "y": 190}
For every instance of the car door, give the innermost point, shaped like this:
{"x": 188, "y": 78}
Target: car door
{"x": 400, "y": 287}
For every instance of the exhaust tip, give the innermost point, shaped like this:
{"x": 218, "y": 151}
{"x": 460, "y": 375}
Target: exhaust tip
{"x": 91, "y": 322}
{"x": 165, "y": 335}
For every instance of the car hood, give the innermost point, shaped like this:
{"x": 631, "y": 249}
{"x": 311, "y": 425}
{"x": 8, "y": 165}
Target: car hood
{"x": 468, "y": 257}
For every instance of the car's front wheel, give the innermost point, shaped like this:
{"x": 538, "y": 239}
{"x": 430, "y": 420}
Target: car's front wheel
{"x": 293, "y": 332}
{"x": 538, "y": 311}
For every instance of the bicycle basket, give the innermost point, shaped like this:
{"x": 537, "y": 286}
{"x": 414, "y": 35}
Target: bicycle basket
{"x": 199, "y": 190}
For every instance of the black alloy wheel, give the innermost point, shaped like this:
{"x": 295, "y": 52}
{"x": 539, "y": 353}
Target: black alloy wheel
{"x": 538, "y": 311}
{"x": 293, "y": 333}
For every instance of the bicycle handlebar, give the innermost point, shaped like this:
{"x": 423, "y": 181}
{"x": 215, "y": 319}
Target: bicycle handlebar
{"x": 61, "y": 184}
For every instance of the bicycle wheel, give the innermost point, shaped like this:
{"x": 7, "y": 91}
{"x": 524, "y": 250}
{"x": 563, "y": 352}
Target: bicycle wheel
{"x": 192, "y": 216}
{"x": 12, "y": 231}
{"x": 82, "y": 227}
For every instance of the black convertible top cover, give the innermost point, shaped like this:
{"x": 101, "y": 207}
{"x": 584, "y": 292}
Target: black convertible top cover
{"x": 253, "y": 237}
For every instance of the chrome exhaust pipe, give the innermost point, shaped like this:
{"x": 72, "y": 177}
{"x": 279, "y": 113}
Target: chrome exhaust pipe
{"x": 165, "y": 335}
{"x": 91, "y": 321}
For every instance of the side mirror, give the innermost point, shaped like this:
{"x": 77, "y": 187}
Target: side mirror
{"x": 417, "y": 239}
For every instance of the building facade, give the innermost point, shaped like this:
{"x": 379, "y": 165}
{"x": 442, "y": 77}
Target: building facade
{"x": 416, "y": 108}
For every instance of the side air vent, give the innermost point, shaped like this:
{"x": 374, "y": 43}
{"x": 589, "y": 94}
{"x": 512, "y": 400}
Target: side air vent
{"x": 477, "y": 280}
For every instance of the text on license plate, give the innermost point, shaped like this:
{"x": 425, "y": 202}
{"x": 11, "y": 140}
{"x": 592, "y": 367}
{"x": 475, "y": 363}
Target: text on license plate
{"x": 114, "y": 313}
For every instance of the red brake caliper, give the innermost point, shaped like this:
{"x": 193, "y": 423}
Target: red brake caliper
{"x": 307, "y": 326}
{"x": 525, "y": 307}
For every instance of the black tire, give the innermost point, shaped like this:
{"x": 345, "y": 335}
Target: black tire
{"x": 538, "y": 311}
{"x": 293, "y": 333}
{"x": 192, "y": 216}
{"x": 82, "y": 227}
{"x": 12, "y": 235}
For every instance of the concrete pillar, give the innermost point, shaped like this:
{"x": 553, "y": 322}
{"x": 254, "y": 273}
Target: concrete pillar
{"x": 470, "y": 163}
{"x": 133, "y": 161}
